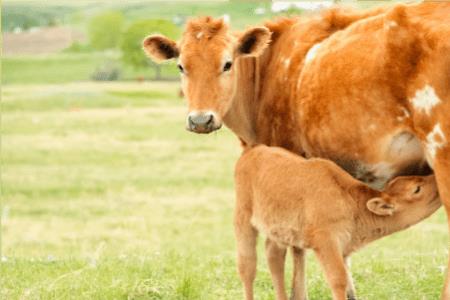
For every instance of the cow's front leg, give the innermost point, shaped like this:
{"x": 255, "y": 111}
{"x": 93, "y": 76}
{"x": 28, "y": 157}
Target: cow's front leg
{"x": 442, "y": 173}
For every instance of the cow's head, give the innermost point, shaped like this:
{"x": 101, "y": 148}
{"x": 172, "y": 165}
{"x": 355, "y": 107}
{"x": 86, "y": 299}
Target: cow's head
{"x": 206, "y": 58}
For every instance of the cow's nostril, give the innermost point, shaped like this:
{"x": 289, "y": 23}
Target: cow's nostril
{"x": 211, "y": 119}
{"x": 191, "y": 122}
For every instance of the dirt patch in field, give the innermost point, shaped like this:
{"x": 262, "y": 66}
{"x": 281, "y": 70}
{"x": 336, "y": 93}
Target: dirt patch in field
{"x": 43, "y": 40}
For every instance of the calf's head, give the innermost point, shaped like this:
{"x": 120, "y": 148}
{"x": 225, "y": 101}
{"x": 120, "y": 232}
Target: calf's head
{"x": 407, "y": 200}
{"x": 206, "y": 56}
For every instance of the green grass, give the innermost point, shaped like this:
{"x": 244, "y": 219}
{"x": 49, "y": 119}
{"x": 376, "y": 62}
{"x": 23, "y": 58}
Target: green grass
{"x": 106, "y": 196}
{"x": 70, "y": 67}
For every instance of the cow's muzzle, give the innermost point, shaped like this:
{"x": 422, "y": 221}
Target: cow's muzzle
{"x": 202, "y": 122}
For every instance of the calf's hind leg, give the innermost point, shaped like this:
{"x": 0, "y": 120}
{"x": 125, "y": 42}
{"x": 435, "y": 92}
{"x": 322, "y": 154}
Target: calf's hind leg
{"x": 299, "y": 277}
{"x": 246, "y": 255}
{"x": 276, "y": 257}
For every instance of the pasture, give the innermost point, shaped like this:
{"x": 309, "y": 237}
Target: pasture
{"x": 106, "y": 196}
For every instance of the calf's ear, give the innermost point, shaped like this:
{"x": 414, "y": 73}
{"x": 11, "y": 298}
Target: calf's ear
{"x": 253, "y": 41}
{"x": 380, "y": 207}
{"x": 160, "y": 48}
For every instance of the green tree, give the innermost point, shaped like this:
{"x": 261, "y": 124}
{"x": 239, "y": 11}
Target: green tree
{"x": 131, "y": 45}
{"x": 105, "y": 30}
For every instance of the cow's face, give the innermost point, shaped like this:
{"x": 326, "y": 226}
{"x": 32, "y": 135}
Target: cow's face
{"x": 206, "y": 57}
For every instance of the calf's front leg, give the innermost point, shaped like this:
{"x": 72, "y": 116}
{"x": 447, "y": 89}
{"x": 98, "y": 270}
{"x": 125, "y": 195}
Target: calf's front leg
{"x": 332, "y": 262}
{"x": 351, "y": 293}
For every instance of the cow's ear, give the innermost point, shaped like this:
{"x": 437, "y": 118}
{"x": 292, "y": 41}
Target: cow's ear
{"x": 380, "y": 207}
{"x": 160, "y": 48}
{"x": 253, "y": 41}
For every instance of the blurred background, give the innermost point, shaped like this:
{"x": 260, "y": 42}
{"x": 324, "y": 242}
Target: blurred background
{"x": 104, "y": 193}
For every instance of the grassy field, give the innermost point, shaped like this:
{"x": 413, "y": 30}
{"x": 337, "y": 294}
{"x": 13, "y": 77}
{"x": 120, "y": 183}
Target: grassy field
{"x": 106, "y": 196}
{"x": 70, "y": 67}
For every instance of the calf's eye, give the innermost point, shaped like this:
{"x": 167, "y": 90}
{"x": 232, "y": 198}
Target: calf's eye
{"x": 180, "y": 67}
{"x": 417, "y": 190}
{"x": 227, "y": 66}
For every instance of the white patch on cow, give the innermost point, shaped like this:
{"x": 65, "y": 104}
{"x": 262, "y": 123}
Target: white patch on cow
{"x": 405, "y": 115}
{"x": 400, "y": 118}
{"x": 199, "y": 35}
{"x": 405, "y": 112}
{"x": 391, "y": 24}
{"x": 435, "y": 141}
{"x": 425, "y": 99}
{"x": 312, "y": 52}
{"x": 287, "y": 62}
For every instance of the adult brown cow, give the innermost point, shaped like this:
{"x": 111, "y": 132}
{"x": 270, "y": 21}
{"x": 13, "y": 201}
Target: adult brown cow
{"x": 285, "y": 96}
{"x": 235, "y": 78}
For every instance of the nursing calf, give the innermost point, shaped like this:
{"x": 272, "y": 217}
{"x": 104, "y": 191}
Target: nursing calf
{"x": 315, "y": 204}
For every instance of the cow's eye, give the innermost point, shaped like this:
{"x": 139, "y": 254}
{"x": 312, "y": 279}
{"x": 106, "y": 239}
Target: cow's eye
{"x": 417, "y": 190}
{"x": 180, "y": 67}
{"x": 227, "y": 66}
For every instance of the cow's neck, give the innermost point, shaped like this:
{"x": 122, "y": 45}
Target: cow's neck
{"x": 252, "y": 114}
{"x": 241, "y": 117}
{"x": 269, "y": 116}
